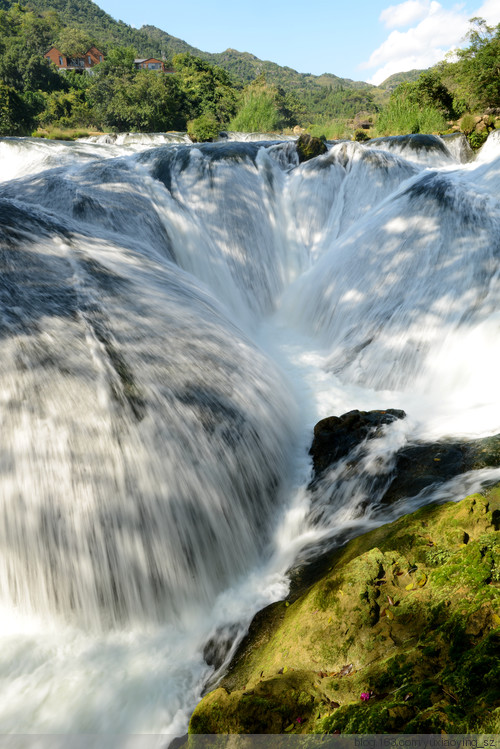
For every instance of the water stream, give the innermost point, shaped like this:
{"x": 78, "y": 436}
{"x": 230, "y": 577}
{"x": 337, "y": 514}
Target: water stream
{"x": 174, "y": 319}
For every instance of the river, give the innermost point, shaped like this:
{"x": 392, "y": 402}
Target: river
{"x": 174, "y": 321}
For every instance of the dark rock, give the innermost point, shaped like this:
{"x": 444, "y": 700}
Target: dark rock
{"x": 421, "y": 465}
{"x": 417, "y": 466}
{"x": 336, "y": 436}
{"x": 415, "y": 142}
{"x": 218, "y": 646}
{"x": 308, "y": 147}
{"x": 179, "y": 742}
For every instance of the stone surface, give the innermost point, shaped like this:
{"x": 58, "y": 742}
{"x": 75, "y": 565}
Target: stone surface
{"x": 408, "y": 615}
{"x": 308, "y": 147}
{"x": 335, "y": 436}
{"x": 417, "y": 466}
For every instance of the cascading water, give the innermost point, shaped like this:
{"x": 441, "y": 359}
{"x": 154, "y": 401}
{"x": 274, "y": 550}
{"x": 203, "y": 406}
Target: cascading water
{"x": 174, "y": 320}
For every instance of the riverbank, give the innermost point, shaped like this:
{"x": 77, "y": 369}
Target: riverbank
{"x": 401, "y": 634}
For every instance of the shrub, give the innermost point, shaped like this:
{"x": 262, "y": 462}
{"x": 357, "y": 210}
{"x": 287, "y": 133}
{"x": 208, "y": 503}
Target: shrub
{"x": 331, "y": 130}
{"x": 476, "y": 139}
{"x": 467, "y": 124}
{"x": 360, "y": 135}
{"x": 258, "y": 114}
{"x": 265, "y": 108}
{"x": 203, "y": 129}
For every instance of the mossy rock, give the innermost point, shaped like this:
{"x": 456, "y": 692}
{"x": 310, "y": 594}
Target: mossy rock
{"x": 408, "y": 614}
{"x": 308, "y": 147}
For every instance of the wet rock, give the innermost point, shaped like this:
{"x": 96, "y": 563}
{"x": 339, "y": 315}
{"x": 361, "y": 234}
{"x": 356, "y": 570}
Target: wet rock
{"x": 336, "y": 436}
{"x": 415, "y": 142}
{"x": 308, "y": 147}
{"x": 218, "y": 646}
{"x": 422, "y": 465}
{"x": 417, "y": 466}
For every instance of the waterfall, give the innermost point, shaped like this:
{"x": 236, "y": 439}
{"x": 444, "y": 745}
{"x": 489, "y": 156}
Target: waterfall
{"x": 174, "y": 319}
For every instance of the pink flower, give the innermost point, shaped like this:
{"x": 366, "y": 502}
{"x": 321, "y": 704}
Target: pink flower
{"x": 365, "y": 696}
{"x": 299, "y": 720}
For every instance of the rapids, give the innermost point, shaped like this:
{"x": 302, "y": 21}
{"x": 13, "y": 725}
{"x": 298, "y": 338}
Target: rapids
{"x": 174, "y": 320}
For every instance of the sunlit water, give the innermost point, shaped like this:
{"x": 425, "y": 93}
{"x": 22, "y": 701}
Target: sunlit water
{"x": 174, "y": 320}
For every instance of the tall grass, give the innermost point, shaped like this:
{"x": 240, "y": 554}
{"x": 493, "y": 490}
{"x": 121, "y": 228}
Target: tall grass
{"x": 336, "y": 129}
{"x": 402, "y": 117}
{"x": 56, "y": 133}
{"x": 258, "y": 114}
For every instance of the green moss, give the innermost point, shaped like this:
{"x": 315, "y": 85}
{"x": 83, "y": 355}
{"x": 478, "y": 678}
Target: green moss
{"x": 308, "y": 147}
{"x": 409, "y": 612}
{"x": 360, "y": 135}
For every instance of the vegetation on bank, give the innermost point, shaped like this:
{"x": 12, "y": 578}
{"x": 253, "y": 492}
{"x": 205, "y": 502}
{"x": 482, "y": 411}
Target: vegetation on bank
{"x": 401, "y": 635}
{"x": 240, "y": 93}
{"x": 264, "y": 108}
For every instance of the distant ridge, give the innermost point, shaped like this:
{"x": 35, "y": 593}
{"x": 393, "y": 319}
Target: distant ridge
{"x": 326, "y": 95}
{"x": 394, "y": 80}
{"x": 245, "y": 67}
{"x": 150, "y": 40}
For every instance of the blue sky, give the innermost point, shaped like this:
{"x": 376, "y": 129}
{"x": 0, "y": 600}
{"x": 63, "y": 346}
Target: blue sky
{"x": 364, "y": 40}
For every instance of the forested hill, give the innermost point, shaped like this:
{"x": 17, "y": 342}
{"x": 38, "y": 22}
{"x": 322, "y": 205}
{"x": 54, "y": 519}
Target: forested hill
{"x": 245, "y": 67}
{"x": 409, "y": 76}
{"x": 105, "y": 30}
{"x": 151, "y": 41}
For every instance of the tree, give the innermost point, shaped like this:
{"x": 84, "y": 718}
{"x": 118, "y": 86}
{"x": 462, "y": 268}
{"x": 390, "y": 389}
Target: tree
{"x": 477, "y": 72}
{"x": 427, "y": 91}
{"x": 118, "y": 60}
{"x": 146, "y": 101}
{"x": 208, "y": 89}
{"x": 66, "y": 109}
{"x": 16, "y": 114}
{"x": 73, "y": 42}
{"x": 203, "y": 129}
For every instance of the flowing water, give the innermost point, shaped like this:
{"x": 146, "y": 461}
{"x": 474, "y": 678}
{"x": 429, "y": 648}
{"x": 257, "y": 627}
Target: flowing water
{"x": 174, "y": 320}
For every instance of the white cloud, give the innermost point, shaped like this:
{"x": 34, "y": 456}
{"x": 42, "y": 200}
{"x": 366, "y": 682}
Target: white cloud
{"x": 427, "y": 42}
{"x": 490, "y": 10}
{"x": 404, "y": 14}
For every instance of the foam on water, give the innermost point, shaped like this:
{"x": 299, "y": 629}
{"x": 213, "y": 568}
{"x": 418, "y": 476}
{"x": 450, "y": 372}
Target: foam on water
{"x": 174, "y": 320}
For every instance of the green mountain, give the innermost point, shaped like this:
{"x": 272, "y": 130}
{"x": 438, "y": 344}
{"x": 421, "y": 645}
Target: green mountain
{"x": 150, "y": 40}
{"x": 245, "y": 67}
{"x": 394, "y": 80}
{"x": 105, "y": 31}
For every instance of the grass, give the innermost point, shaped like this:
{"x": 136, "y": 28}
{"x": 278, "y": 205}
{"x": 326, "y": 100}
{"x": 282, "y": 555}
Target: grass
{"x": 402, "y": 118}
{"x": 336, "y": 129}
{"x": 56, "y": 133}
{"x": 259, "y": 114}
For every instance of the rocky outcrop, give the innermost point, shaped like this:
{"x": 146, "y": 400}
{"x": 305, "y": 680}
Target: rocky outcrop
{"x": 416, "y": 466}
{"x": 402, "y": 633}
{"x": 335, "y": 436}
{"x": 308, "y": 147}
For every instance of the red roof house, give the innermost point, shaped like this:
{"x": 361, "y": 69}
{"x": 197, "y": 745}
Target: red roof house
{"x": 150, "y": 63}
{"x": 80, "y": 63}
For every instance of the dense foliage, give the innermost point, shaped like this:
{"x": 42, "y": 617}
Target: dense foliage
{"x": 27, "y": 33}
{"x": 115, "y": 97}
{"x": 470, "y": 83}
{"x": 240, "y": 91}
{"x": 474, "y": 78}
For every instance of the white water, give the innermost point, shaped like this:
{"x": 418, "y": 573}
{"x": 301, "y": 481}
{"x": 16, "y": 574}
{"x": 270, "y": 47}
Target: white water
{"x": 174, "y": 321}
